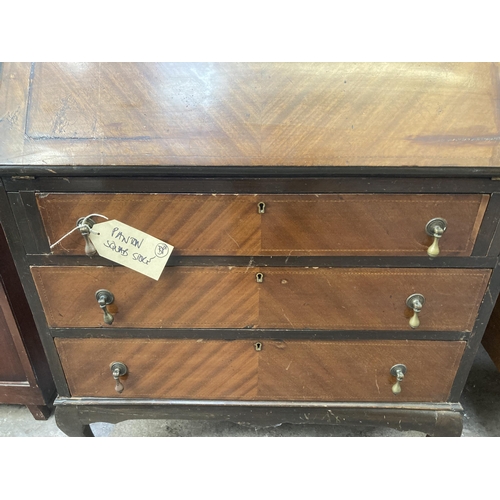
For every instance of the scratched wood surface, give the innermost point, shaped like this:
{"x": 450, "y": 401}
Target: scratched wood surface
{"x": 276, "y": 114}
{"x": 288, "y": 298}
{"x": 291, "y": 225}
{"x": 291, "y": 370}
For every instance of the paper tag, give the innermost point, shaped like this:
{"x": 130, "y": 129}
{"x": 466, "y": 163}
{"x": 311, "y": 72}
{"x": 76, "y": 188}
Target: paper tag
{"x": 131, "y": 248}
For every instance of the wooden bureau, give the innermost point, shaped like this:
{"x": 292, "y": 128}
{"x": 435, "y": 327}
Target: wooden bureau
{"x": 304, "y": 286}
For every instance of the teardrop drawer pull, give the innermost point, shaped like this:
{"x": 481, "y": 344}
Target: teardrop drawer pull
{"x": 399, "y": 372}
{"x": 104, "y": 298}
{"x": 415, "y": 302}
{"x": 85, "y": 224}
{"x": 435, "y": 228}
{"x": 118, "y": 370}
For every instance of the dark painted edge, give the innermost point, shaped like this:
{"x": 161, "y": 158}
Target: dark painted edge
{"x": 488, "y": 227}
{"x": 238, "y": 171}
{"x": 281, "y": 261}
{"x": 127, "y": 402}
{"x": 35, "y": 222}
{"x": 256, "y": 334}
{"x": 269, "y": 185}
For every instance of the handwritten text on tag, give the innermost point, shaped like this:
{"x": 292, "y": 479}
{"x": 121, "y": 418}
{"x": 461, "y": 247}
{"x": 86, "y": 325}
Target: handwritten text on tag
{"x": 130, "y": 247}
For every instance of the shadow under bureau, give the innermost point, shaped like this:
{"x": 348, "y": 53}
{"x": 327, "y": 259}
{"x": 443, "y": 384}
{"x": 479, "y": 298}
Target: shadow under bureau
{"x": 315, "y": 278}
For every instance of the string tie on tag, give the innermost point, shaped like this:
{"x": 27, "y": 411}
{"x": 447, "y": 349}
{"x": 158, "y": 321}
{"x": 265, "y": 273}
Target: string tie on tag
{"x": 83, "y": 225}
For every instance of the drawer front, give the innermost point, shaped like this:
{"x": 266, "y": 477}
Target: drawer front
{"x": 291, "y": 370}
{"x": 287, "y": 298}
{"x": 202, "y": 224}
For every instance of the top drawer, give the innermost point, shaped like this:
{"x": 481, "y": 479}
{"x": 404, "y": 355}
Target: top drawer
{"x": 230, "y": 224}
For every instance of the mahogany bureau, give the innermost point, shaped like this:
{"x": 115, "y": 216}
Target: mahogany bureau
{"x": 335, "y": 233}
{"x": 25, "y": 377}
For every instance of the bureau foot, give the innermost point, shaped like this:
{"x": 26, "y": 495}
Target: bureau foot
{"x": 448, "y": 424}
{"x": 39, "y": 412}
{"x": 67, "y": 419}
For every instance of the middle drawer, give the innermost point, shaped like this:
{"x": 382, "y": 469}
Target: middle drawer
{"x": 285, "y": 298}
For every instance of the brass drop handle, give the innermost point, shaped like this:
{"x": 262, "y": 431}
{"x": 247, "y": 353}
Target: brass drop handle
{"x": 435, "y": 228}
{"x": 399, "y": 372}
{"x": 85, "y": 231}
{"x": 118, "y": 370}
{"x": 104, "y": 298}
{"x": 415, "y": 302}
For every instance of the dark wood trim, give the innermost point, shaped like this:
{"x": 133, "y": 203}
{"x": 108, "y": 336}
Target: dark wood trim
{"x": 472, "y": 346}
{"x": 30, "y": 228}
{"x": 18, "y": 253}
{"x": 74, "y": 419}
{"x": 269, "y": 185}
{"x": 494, "y": 249}
{"x": 281, "y": 261}
{"x": 489, "y": 227}
{"x": 211, "y": 403}
{"x": 257, "y": 334}
{"x": 35, "y": 222}
{"x": 257, "y": 171}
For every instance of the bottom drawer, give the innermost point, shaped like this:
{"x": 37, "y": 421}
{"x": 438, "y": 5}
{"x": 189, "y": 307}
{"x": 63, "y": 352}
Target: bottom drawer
{"x": 281, "y": 370}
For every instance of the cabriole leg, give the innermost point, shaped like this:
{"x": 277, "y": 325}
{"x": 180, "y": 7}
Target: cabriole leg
{"x": 67, "y": 419}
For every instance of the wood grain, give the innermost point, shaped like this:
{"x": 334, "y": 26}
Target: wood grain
{"x": 363, "y": 224}
{"x": 292, "y": 370}
{"x": 184, "y": 297}
{"x": 203, "y": 224}
{"x": 193, "y": 224}
{"x": 201, "y": 369}
{"x": 288, "y": 298}
{"x": 370, "y": 299}
{"x": 11, "y": 368}
{"x": 250, "y": 114}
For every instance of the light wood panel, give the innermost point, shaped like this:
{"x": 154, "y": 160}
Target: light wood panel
{"x": 279, "y": 114}
{"x": 288, "y": 298}
{"x": 359, "y": 224}
{"x": 292, "y": 370}
{"x": 184, "y": 297}
{"x": 161, "y": 368}
{"x": 357, "y": 371}
{"x": 370, "y": 299}
{"x": 368, "y": 224}
{"x": 193, "y": 224}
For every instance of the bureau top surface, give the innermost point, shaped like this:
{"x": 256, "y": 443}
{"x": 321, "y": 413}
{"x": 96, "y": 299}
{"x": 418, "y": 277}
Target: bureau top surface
{"x": 249, "y": 115}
